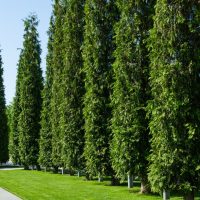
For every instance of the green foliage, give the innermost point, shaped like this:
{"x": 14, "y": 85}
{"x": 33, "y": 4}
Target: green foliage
{"x": 30, "y": 94}
{"x": 9, "y": 110}
{"x": 45, "y": 143}
{"x": 9, "y": 114}
{"x": 14, "y": 140}
{"x": 72, "y": 87}
{"x": 79, "y": 91}
{"x": 56, "y": 98}
{"x": 175, "y": 85}
{"x": 3, "y": 120}
{"x": 97, "y": 56}
{"x": 130, "y": 143}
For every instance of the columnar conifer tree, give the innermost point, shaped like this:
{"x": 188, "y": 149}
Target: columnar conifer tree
{"x": 30, "y": 95}
{"x": 56, "y": 100}
{"x": 175, "y": 56}
{"x": 3, "y": 120}
{"x": 45, "y": 158}
{"x": 14, "y": 140}
{"x": 9, "y": 113}
{"x": 130, "y": 144}
{"x": 97, "y": 55}
{"x": 73, "y": 87}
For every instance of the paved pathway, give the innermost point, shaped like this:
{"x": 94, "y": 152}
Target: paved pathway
{"x": 5, "y": 195}
{"x": 11, "y": 168}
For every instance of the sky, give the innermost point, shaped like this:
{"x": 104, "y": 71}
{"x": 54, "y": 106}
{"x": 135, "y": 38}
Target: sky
{"x": 12, "y": 13}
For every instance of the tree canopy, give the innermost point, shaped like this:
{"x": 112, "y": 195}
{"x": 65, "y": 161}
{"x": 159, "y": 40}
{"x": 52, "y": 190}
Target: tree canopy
{"x": 31, "y": 84}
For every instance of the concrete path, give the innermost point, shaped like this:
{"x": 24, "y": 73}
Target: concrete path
{"x": 5, "y": 195}
{"x": 11, "y": 168}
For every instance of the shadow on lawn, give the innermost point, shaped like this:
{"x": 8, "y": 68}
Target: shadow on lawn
{"x": 136, "y": 188}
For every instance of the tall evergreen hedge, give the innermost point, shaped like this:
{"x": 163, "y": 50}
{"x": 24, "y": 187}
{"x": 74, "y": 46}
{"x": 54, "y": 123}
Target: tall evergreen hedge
{"x": 14, "y": 140}
{"x": 30, "y": 95}
{"x": 175, "y": 86}
{"x": 45, "y": 158}
{"x": 130, "y": 143}
{"x": 72, "y": 87}
{"x": 97, "y": 56}
{"x": 3, "y": 120}
{"x": 56, "y": 98}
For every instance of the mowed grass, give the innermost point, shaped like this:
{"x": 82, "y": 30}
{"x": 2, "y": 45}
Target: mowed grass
{"x": 34, "y": 185}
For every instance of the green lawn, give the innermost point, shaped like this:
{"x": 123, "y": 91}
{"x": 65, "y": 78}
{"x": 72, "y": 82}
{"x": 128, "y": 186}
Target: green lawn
{"x": 34, "y": 185}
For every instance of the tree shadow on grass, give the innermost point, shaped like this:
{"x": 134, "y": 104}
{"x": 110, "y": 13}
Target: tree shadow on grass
{"x": 136, "y": 188}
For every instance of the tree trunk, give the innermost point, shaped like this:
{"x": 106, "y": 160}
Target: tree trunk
{"x": 145, "y": 188}
{"x": 71, "y": 172}
{"x": 130, "y": 180}
{"x": 55, "y": 169}
{"x": 114, "y": 181}
{"x": 79, "y": 174}
{"x": 100, "y": 179}
{"x": 48, "y": 169}
{"x": 26, "y": 167}
{"x": 166, "y": 194}
{"x": 88, "y": 176}
{"x": 189, "y": 196}
{"x": 38, "y": 167}
{"x": 62, "y": 170}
